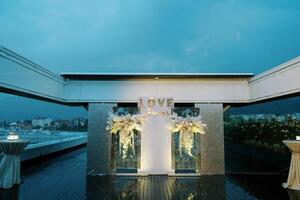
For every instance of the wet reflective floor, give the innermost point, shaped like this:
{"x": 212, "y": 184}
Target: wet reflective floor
{"x": 64, "y": 178}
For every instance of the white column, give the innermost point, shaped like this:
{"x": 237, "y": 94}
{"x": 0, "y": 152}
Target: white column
{"x": 156, "y": 146}
{"x": 156, "y": 143}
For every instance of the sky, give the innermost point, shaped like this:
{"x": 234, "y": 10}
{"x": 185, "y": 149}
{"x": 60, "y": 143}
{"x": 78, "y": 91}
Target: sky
{"x": 152, "y": 36}
{"x": 20, "y": 108}
{"x": 145, "y": 36}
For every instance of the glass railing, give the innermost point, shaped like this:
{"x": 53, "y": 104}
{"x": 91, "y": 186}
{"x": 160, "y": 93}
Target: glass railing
{"x": 36, "y": 136}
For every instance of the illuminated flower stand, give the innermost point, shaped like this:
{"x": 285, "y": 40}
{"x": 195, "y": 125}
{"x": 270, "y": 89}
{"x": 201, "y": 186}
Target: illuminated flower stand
{"x": 124, "y": 129}
{"x": 12, "y": 148}
{"x": 187, "y": 127}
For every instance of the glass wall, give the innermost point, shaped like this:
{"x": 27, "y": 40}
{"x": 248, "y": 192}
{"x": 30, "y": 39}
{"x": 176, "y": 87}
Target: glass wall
{"x": 257, "y": 132}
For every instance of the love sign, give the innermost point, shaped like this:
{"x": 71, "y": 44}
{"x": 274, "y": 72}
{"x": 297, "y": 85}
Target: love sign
{"x": 156, "y": 106}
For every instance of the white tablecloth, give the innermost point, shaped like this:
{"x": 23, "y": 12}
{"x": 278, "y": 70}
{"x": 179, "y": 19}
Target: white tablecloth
{"x": 293, "y": 181}
{"x": 10, "y": 163}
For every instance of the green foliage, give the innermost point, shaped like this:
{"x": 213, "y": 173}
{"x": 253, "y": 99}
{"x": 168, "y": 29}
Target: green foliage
{"x": 266, "y": 131}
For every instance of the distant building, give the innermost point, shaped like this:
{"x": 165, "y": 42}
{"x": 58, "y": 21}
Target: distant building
{"x": 77, "y": 122}
{"x": 3, "y": 123}
{"x": 15, "y": 126}
{"x": 64, "y": 123}
{"x": 296, "y": 116}
{"x": 41, "y": 122}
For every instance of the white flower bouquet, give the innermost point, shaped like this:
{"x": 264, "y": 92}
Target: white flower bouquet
{"x": 187, "y": 127}
{"x": 125, "y": 126}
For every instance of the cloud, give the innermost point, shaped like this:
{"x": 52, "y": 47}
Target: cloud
{"x": 115, "y": 35}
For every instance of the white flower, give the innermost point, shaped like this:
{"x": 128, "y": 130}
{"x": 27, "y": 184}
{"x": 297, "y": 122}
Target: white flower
{"x": 125, "y": 126}
{"x": 186, "y": 127}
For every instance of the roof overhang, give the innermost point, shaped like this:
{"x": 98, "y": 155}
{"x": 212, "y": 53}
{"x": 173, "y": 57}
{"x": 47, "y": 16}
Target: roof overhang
{"x": 125, "y": 76}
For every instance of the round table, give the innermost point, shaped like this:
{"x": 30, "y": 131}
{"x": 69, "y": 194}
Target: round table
{"x": 293, "y": 181}
{"x": 10, "y": 163}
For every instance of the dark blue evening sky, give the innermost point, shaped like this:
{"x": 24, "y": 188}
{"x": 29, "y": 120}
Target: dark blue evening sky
{"x": 147, "y": 36}
{"x": 152, "y": 36}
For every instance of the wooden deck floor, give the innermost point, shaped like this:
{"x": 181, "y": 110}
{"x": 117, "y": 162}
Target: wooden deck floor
{"x": 63, "y": 178}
